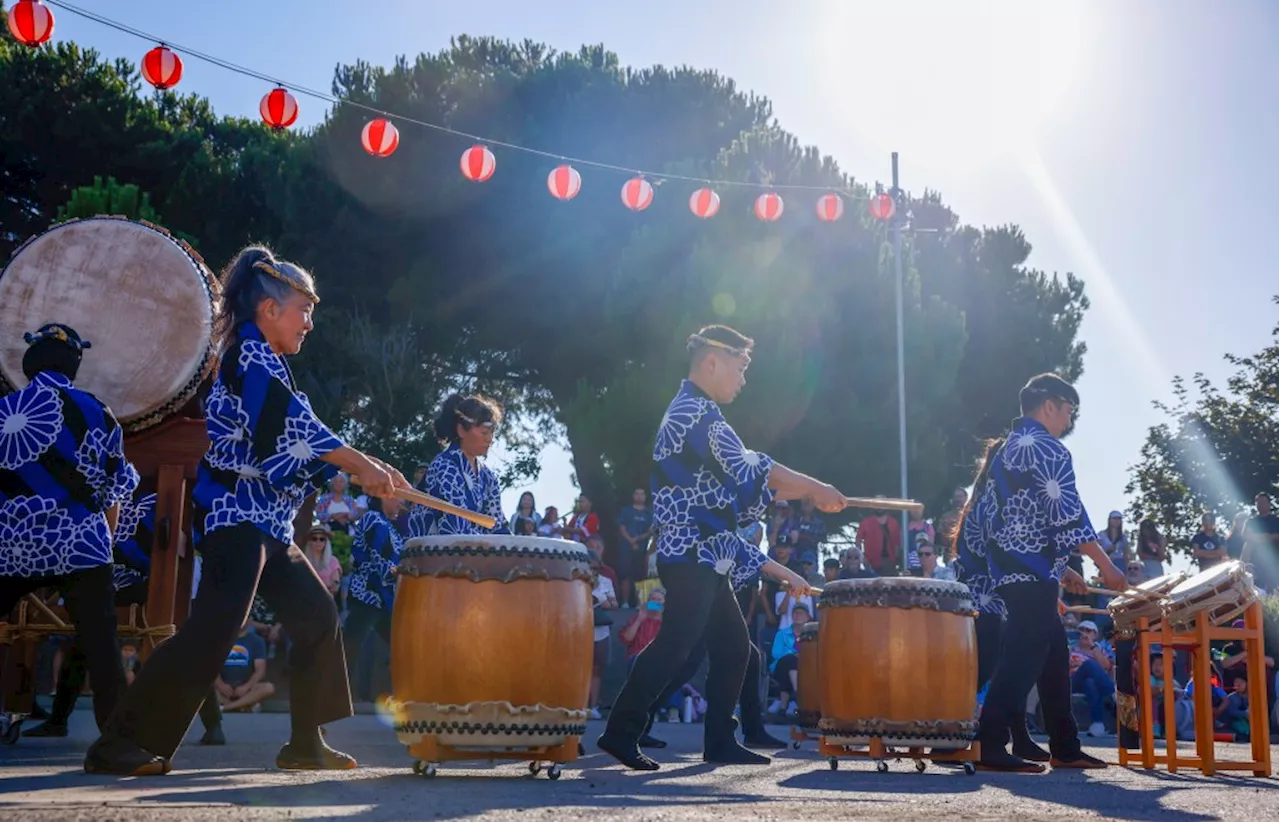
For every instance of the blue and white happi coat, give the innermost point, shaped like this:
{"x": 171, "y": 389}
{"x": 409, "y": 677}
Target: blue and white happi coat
{"x": 265, "y": 444}
{"x": 62, "y": 467}
{"x": 375, "y": 550}
{"x": 135, "y": 532}
{"x": 1029, "y": 517}
{"x": 971, "y": 567}
{"x": 451, "y": 478}
{"x": 705, "y": 485}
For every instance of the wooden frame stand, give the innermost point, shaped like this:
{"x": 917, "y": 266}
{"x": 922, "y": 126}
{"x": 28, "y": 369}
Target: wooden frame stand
{"x": 428, "y": 753}
{"x": 1197, "y": 642}
{"x": 800, "y": 735}
{"x": 877, "y": 751}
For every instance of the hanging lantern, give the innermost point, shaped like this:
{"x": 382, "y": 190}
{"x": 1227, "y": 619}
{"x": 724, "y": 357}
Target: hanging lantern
{"x": 279, "y": 108}
{"x": 637, "y": 194}
{"x": 882, "y": 207}
{"x": 768, "y": 207}
{"x": 704, "y": 203}
{"x": 564, "y": 182}
{"x": 830, "y": 207}
{"x": 478, "y": 163}
{"x": 162, "y": 68}
{"x": 380, "y": 138}
{"x": 30, "y": 22}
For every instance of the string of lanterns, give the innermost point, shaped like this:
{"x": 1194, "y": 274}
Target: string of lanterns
{"x": 31, "y": 23}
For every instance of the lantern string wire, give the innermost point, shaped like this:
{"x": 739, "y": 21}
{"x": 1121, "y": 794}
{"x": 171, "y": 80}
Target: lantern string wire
{"x": 851, "y": 193}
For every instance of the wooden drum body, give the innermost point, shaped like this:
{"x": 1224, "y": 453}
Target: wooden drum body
{"x": 809, "y": 706}
{"x": 898, "y": 663}
{"x": 491, "y": 643}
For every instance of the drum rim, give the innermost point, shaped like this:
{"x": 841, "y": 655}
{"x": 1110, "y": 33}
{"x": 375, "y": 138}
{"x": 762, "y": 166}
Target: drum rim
{"x": 897, "y": 583}
{"x": 542, "y": 545}
{"x": 150, "y": 417}
{"x": 1230, "y": 571}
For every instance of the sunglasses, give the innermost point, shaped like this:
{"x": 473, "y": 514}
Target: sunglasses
{"x": 926, "y": 553}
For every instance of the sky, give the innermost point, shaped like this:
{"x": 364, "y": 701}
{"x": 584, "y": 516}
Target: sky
{"x": 1133, "y": 141}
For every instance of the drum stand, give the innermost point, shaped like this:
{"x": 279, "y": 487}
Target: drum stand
{"x": 876, "y": 750}
{"x": 429, "y": 754}
{"x": 804, "y": 733}
{"x": 1197, "y": 642}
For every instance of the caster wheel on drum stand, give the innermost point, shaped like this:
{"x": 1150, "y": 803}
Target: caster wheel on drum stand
{"x": 835, "y": 764}
{"x": 882, "y": 766}
{"x": 920, "y": 766}
{"x": 795, "y": 745}
{"x": 970, "y": 769}
{"x": 535, "y": 768}
{"x": 427, "y": 769}
{"x": 553, "y": 772}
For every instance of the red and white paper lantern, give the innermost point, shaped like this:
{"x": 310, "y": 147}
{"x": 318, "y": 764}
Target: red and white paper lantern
{"x": 162, "y": 68}
{"x": 478, "y": 163}
{"x": 830, "y": 207}
{"x": 882, "y": 207}
{"x": 704, "y": 203}
{"x": 30, "y": 22}
{"x": 380, "y": 138}
{"x": 279, "y": 108}
{"x": 564, "y": 182}
{"x": 637, "y": 194}
{"x": 768, "y": 207}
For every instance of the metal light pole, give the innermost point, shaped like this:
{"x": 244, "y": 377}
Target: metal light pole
{"x": 898, "y": 218}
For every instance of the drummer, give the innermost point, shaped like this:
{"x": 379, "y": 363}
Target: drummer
{"x": 371, "y": 590}
{"x": 1029, "y": 518}
{"x": 465, "y": 426}
{"x": 268, "y": 451}
{"x": 705, "y": 485}
{"x": 63, "y": 475}
{"x": 971, "y": 569}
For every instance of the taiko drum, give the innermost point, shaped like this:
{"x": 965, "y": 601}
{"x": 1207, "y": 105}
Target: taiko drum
{"x": 897, "y": 661}
{"x": 491, "y": 643}
{"x": 808, "y": 686}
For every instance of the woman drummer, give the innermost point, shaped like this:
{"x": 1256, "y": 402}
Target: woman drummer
{"x": 458, "y": 475}
{"x": 267, "y": 452}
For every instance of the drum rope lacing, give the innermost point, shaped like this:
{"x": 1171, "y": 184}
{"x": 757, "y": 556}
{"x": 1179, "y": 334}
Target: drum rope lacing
{"x": 424, "y": 726}
{"x": 475, "y": 550}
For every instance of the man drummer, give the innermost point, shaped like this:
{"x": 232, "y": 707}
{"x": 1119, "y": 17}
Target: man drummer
{"x": 705, "y": 484}
{"x": 1029, "y": 518}
{"x": 63, "y": 475}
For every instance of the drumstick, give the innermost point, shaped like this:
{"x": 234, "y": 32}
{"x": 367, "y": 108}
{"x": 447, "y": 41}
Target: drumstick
{"x": 1134, "y": 592}
{"x": 1085, "y": 609}
{"x": 875, "y": 503}
{"x": 409, "y": 495}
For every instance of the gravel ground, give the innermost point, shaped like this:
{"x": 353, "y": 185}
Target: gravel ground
{"x": 42, "y": 780}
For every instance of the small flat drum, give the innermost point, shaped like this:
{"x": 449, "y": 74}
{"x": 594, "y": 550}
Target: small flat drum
{"x": 144, "y": 300}
{"x": 1222, "y": 593}
{"x": 809, "y": 706}
{"x": 1128, "y": 608}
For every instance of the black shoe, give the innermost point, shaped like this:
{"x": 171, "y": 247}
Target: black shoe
{"x": 313, "y": 758}
{"x": 733, "y": 754}
{"x": 998, "y": 759}
{"x": 626, "y": 752}
{"x": 1030, "y": 751}
{"x": 113, "y": 755}
{"x": 763, "y": 739}
{"x": 647, "y": 741}
{"x": 37, "y": 712}
{"x": 582, "y": 749}
{"x": 48, "y": 728}
{"x": 213, "y": 736}
{"x": 1083, "y": 762}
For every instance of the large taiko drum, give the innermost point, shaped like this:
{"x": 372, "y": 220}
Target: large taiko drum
{"x": 1220, "y": 593}
{"x": 808, "y": 685}
{"x": 1130, "y": 607}
{"x": 143, "y": 298}
{"x": 898, "y": 662}
{"x": 491, "y": 643}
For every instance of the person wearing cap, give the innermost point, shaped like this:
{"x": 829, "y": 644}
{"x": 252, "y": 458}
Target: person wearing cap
{"x": 63, "y": 476}
{"x": 705, "y": 484}
{"x": 1028, "y": 517}
{"x": 268, "y": 451}
{"x": 1091, "y": 675}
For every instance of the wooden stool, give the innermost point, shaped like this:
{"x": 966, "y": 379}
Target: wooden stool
{"x": 1197, "y": 642}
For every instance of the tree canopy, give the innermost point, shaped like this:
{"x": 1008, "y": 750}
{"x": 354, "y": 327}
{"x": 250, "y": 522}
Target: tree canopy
{"x": 573, "y": 313}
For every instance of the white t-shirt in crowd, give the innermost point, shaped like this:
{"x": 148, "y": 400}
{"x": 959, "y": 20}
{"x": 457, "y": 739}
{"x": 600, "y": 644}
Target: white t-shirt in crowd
{"x": 784, "y": 619}
{"x": 601, "y": 593}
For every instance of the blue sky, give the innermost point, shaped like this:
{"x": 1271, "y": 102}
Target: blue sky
{"x": 1134, "y": 142}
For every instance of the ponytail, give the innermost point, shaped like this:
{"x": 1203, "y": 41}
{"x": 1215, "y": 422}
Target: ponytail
{"x": 988, "y": 457}
{"x": 253, "y": 276}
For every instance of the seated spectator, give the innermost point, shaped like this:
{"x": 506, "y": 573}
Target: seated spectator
{"x": 129, "y": 660}
{"x": 927, "y": 554}
{"x": 1183, "y": 708}
{"x": 852, "y": 565}
{"x": 1091, "y": 675}
{"x": 643, "y": 627}
{"x": 319, "y": 552}
{"x": 263, "y": 620}
{"x": 550, "y": 525}
{"x": 243, "y": 684}
{"x": 785, "y": 602}
{"x": 786, "y": 663}
{"x": 1234, "y": 665}
{"x": 336, "y": 508}
{"x": 830, "y": 569}
{"x": 1232, "y": 713}
{"x": 595, "y": 547}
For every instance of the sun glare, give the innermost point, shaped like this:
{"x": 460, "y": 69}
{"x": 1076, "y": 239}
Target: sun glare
{"x": 950, "y": 83}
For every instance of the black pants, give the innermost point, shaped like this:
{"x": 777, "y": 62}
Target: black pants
{"x": 90, "y": 600}
{"x": 157, "y": 710}
{"x": 72, "y": 676}
{"x": 989, "y": 628}
{"x": 749, "y": 702}
{"x": 782, "y": 674}
{"x": 361, "y": 620}
{"x": 700, "y": 606}
{"x": 1033, "y": 651}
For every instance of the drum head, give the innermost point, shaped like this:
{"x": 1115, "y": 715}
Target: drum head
{"x": 145, "y": 301}
{"x": 898, "y": 592}
{"x": 473, "y": 544}
{"x": 1222, "y": 575}
{"x": 1158, "y": 585}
